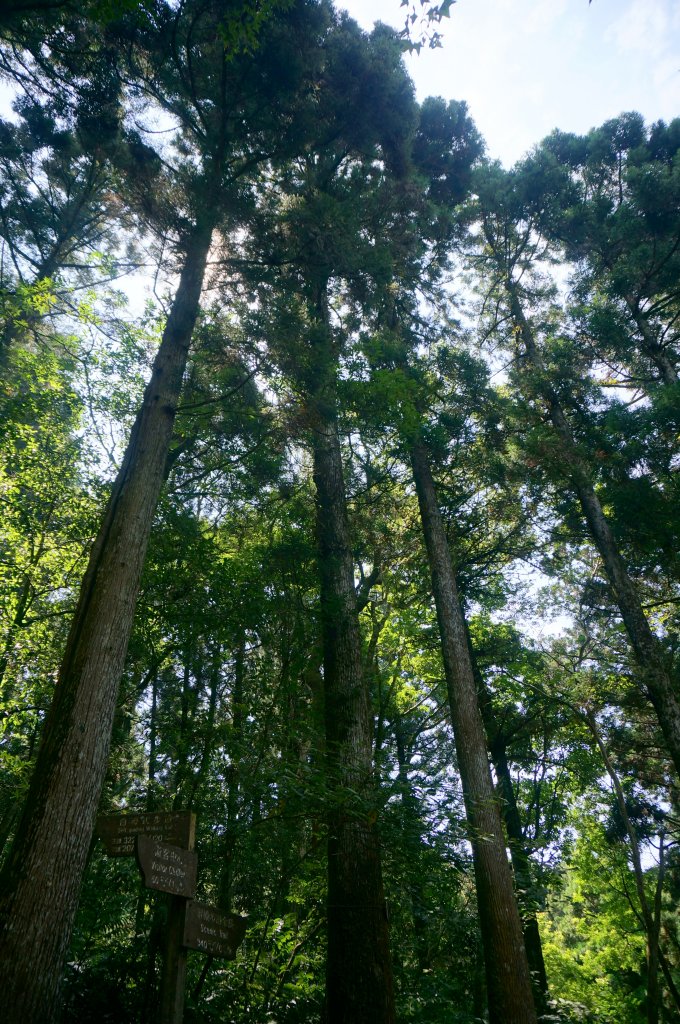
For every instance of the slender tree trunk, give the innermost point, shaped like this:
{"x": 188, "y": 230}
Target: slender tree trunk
{"x": 521, "y": 862}
{"x": 648, "y": 651}
{"x": 231, "y": 824}
{"x": 153, "y": 740}
{"x": 15, "y": 625}
{"x": 42, "y": 877}
{"x": 359, "y": 987}
{"x": 521, "y": 868}
{"x": 148, "y": 969}
{"x": 233, "y": 777}
{"x": 507, "y": 970}
{"x": 663, "y": 962}
{"x": 150, "y": 802}
{"x": 201, "y": 773}
{"x": 185, "y": 737}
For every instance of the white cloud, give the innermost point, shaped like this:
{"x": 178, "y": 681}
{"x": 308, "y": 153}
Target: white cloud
{"x": 643, "y": 28}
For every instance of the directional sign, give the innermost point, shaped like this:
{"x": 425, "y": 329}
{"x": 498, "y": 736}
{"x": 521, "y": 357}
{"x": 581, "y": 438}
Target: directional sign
{"x": 212, "y": 931}
{"x": 167, "y": 868}
{"x": 163, "y": 843}
{"x": 118, "y": 831}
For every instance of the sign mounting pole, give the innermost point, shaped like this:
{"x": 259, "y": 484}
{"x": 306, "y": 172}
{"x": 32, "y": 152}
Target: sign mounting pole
{"x": 173, "y": 978}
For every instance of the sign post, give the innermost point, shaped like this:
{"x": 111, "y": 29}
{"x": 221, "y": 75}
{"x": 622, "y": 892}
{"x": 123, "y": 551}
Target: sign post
{"x": 173, "y": 979}
{"x": 163, "y": 844}
{"x": 172, "y": 870}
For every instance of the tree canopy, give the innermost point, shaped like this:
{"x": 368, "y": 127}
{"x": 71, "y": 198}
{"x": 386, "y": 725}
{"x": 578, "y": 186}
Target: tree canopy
{"x": 339, "y": 481}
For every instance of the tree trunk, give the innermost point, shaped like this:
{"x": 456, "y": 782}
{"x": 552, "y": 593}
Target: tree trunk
{"x": 648, "y": 651}
{"x": 42, "y": 877}
{"x": 519, "y": 857}
{"x": 507, "y": 971}
{"x": 521, "y": 863}
{"x": 185, "y": 737}
{"x": 521, "y": 868}
{"x": 15, "y": 625}
{"x": 359, "y": 988}
{"x": 153, "y": 740}
{"x": 207, "y": 746}
{"x": 233, "y": 773}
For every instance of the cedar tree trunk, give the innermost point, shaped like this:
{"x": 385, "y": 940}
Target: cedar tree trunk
{"x": 359, "y": 987}
{"x": 507, "y": 971}
{"x": 42, "y": 877}
{"x": 521, "y": 868}
{"x": 519, "y": 856}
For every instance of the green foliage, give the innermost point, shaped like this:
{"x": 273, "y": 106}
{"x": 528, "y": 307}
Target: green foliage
{"x": 421, "y": 21}
{"x": 594, "y": 947}
{"x": 342, "y": 207}
{"x": 46, "y": 510}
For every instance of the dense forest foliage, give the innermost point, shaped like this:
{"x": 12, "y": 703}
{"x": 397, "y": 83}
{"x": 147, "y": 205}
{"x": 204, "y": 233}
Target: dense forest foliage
{"x": 359, "y": 539}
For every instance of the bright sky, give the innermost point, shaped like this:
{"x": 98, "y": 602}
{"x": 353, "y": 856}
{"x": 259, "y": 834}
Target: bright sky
{"x": 525, "y": 67}
{"x": 528, "y": 66}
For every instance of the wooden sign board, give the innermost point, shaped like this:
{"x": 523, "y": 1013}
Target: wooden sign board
{"x": 212, "y": 931}
{"x": 167, "y": 868}
{"x": 118, "y": 831}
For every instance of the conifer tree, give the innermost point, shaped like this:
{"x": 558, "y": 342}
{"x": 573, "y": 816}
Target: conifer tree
{"x": 229, "y": 124}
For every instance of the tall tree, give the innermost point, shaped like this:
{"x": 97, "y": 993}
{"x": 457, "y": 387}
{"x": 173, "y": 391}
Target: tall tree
{"x": 513, "y": 240}
{"x": 227, "y": 127}
{"x": 507, "y": 970}
{"x": 322, "y": 225}
{"x": 445, "y": 147}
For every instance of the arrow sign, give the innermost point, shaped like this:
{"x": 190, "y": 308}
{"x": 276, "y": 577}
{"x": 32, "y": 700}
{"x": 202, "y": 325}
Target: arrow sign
{"x": 212, "y": 931}
{"x": 167, "y": 868}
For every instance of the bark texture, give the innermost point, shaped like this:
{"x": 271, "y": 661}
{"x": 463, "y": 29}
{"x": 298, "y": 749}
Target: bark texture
{"x": 519, "y": 855}
{"x": 649, "y": 653}
{"x": 42, "y": 876}
{"x": 521, "y": 869}
{"x": 359, "y": 987}
{"x": 507, "y": 970}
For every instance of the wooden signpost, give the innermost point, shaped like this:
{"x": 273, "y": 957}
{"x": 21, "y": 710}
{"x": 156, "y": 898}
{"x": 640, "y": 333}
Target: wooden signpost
{"x": 163, "y": 845}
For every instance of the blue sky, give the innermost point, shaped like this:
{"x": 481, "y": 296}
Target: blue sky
{"x": 528, "y": 66}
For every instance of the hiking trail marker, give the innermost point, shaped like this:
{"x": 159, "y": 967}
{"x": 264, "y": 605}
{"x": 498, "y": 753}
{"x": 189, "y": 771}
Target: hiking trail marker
{"x": 213, "y": 931}
{"x": 163, "y": 843}
{"x": 167, "y": 868}
{"x": 119, "y": 831}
